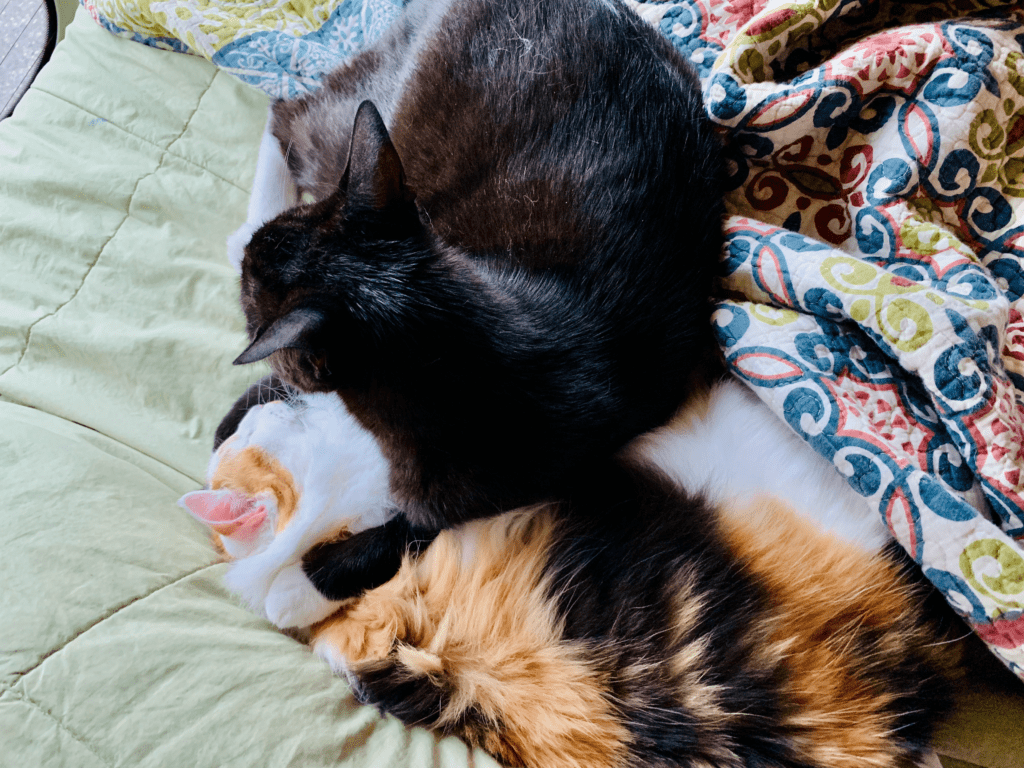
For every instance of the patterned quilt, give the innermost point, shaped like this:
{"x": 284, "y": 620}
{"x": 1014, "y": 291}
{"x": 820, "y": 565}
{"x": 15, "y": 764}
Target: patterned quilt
{"x": 875, "y": 242}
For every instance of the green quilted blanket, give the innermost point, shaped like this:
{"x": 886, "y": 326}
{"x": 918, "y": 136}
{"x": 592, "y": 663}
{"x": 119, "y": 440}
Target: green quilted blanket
{"x": 121, "y": 173}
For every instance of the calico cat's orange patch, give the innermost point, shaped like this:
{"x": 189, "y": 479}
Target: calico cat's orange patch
{"x": 474, "y": 610}
{"x": 825, "y": 593}
{"x": 251, "y": 471}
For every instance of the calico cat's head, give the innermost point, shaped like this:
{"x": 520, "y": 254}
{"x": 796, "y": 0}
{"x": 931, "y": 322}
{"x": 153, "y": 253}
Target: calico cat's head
{"x": 294, "y": 474}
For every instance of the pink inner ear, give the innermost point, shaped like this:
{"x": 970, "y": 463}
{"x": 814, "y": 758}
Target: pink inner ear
{"x": 248, "y": 526}
{"x": 229, "y": 513}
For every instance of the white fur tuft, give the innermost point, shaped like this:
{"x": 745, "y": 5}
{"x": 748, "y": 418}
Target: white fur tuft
{"x": 739, "y": 448}
{"x": 273, "y": 192}
{"x": 293, "y": 601}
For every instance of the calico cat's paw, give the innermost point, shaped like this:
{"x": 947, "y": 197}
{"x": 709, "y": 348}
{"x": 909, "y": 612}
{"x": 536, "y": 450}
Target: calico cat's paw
{"x": 292, "y": 600}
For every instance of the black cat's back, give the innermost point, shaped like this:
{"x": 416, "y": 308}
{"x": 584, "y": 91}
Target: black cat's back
{"x": 571, "y": 122}
{"x": 515, "y": 119}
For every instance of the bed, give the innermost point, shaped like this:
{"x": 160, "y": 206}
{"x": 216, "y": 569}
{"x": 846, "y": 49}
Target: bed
{"x": 122, "y": 172}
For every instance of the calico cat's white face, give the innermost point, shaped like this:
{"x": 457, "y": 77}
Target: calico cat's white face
{"x": 293, "y": 475}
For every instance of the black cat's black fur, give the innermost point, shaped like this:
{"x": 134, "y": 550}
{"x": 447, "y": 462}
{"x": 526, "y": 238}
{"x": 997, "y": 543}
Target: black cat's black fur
{"x": 512, "y": 279}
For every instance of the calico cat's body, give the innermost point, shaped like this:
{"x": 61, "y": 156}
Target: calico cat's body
{"x": 634, "y": 625}
{"x": 629, "y": 624}
{"x": 506, "y": 272}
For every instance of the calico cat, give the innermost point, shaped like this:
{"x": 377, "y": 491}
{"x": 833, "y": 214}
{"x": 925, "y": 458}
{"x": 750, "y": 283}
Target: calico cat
{"x": 506, "y": 265}
{"x": 631, "y": 623}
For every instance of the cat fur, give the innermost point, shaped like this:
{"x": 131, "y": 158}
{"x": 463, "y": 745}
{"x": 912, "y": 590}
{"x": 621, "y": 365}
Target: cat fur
{"x": 317, "y": 476}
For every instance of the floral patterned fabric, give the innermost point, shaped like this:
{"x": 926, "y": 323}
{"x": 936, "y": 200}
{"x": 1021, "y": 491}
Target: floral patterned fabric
{"x": 875, "y": 242}
{"x": 874, "y": 260}
{"x": 282, "y": 47}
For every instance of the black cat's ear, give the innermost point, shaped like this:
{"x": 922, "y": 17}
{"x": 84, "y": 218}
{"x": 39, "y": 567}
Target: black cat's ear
{"x": 289, "y": 332}
{"x": 374, "y": 177}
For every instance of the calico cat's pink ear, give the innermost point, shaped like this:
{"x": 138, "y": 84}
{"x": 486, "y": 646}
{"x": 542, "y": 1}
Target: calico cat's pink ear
{"x": 228, "y": 513}
{"x": 374, "y": 176}
{"x": 289, "y": 332}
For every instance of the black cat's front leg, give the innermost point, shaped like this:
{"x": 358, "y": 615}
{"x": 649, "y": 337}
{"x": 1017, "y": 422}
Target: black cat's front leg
{"x": 344, "y": 569}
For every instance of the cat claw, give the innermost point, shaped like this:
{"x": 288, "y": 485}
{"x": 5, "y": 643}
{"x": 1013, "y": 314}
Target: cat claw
{"x": 339, "y": 665}
{"x": 358, "y": 692}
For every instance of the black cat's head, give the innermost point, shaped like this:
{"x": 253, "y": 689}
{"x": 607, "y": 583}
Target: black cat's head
{"x": 318, "y": 271}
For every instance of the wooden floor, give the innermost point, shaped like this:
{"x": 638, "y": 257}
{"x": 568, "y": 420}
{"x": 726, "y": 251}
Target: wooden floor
{"x": 23, "y": 28}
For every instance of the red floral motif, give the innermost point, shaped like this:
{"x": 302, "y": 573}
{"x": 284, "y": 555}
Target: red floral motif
{"x": 1003, "y": 633}
{"x": 899, "y": 516}
{"x": 795, "y": 152}
{"x": 918, "y": 130}
{"x": 1013, "y": 350}
{"x": 998, "y": 434}
{"x": 766, "y": 23}
{"x": 1015, "y": 134}
{"x": 869, "y": 411}
{"x": 742, "y": 223}
{"x": 855, "y": 164}
{"x": 832, "y": 223}
{"x": 759, "y": 366}
{"x": 898, "y": 58}
{"x": 739, "y": 12}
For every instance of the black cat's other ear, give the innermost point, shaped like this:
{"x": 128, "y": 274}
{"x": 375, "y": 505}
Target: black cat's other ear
{"x": 292, "y": 331}
{"x": 374, "y": 177}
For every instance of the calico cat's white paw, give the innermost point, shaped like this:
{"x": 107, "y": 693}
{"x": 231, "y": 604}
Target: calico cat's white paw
{"x": 292, "y": 600}
{"x": 237, "y": 241}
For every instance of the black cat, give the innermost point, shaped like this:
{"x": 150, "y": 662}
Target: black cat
{"x": 512, "y": 281}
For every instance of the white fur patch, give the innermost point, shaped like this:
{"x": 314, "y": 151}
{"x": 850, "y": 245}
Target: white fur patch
{"x": 293, "y": 601}
{"x": 273, "y": 192}
{"x": 740, "y": 448}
